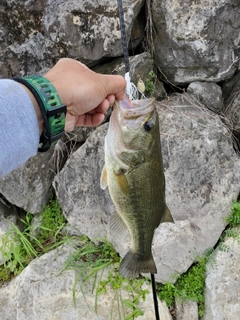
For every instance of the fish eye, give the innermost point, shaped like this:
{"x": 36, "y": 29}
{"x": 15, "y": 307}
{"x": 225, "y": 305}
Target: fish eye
{"x": 148, "y": 125}
{"x": 120, "y": 171}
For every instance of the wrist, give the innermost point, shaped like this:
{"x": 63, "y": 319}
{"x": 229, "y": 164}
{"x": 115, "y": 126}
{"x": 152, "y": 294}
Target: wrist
{"x": 60, "y": 87}
{"x": 51, "y": 108}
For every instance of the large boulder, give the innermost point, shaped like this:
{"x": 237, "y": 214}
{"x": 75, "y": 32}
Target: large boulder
{"x": 86, "y": 207}
{"x": 35, "y": 35}
{"x": 196, "y": 41}
{"x": 28, "y": 186}
{"x": 202, "y": 179}
{"x": 209, "y": 94}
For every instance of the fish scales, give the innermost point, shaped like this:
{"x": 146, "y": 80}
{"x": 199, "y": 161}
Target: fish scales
{"x": 134, "y": 174}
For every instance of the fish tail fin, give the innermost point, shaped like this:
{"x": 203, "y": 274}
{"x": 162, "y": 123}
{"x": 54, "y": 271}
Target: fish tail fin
{"x": 131, "y": 265}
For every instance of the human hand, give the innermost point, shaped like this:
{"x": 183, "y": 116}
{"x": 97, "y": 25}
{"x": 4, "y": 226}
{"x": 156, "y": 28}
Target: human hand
{"x": 86, "y": 94}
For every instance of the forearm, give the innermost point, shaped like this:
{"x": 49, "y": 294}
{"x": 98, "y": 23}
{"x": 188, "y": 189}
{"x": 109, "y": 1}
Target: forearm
{"x": 36, "y": 108}
{"x": 20, "y": 132}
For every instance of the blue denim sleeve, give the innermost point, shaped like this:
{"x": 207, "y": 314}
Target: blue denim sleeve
{"x": 19, "y": 131}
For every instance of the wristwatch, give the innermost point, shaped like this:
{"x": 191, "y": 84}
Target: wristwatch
{"x": 52, "y": 109}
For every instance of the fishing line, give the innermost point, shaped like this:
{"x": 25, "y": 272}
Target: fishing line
{"x": 155, "y": 296}
{"x": 131, "y": 89}
{"x": 124, "y": 37}
{"x": 132, "y": 92}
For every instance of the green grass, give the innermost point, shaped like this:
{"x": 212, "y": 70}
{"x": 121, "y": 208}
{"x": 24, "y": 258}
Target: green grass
{"x": 19, "y": 248}
{"x": 189, "y": 286}
{"x": 90, "y": 261}
{"x": 52, "y": 222}
{"x": 233, "y": 219}
{"x": 233, "y": 227}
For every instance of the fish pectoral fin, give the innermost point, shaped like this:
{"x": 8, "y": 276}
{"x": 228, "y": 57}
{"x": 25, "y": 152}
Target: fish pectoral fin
{"x": 116, "y": 226}
{"x": 167, "y": 217}
{"x": 103, "y": 179}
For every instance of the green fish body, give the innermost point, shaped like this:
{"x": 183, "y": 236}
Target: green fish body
{"x": 134, "y": 175}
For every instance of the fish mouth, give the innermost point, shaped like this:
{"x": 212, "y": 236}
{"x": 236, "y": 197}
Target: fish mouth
{"x": 136, "y": 108}
{"x": 131, "y": 114}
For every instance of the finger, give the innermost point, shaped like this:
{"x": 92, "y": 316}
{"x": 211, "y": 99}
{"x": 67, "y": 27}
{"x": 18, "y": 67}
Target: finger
{"x": 70, "y": 122}
{"x": 103, "y": 106}
{"x": 111, "y": 99}
{"x": 115, "y": 85}
{"x": 90, "y": 120}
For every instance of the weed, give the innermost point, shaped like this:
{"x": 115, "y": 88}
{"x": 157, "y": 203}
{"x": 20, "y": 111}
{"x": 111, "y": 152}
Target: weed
{"x": 234, "y": 218}
{"x": 232, "y": 230}
{"x": 19, "y": 248}
{"x": 189, "y": 286}
{"x": 135, "y": 288}
{"x": 52, "y": 222}
{"x": 167, "y": 292}
{"x": 150, "y": 86}
{"x": 90, "y": 261}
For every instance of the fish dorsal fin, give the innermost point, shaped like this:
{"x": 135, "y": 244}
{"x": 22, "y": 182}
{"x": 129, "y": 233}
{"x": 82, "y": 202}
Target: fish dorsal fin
{"x": 117, "y": 226}
{"x": 103, "y": 179}
{"x": 167, "y": 217}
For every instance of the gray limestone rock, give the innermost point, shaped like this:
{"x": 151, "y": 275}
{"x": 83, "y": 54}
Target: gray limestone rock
{"x": 28, "y": 186}
{"x": 35, "y": 35}
{"x": 187, "y": 310}
{"x": 222, "y": 283}
{"x": 78, "y": 135}
{"x": 209, "y": 94}
{"x": 77, "y": 186}
{"x": 140, "y": 66}
{"x": 202, "y": 179}
{"x": 187, "y": 39}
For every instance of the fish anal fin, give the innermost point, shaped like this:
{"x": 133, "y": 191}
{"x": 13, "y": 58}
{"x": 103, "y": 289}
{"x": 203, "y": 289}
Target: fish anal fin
{"x": 131, "y": 266}
{"x": 116, "y": 226}
{"x": 103, "y": 179}
{"x": 167, "y": 217}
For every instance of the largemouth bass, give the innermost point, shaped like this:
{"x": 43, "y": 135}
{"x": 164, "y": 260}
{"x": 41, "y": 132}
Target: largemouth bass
{"x": 134, "y": 175}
